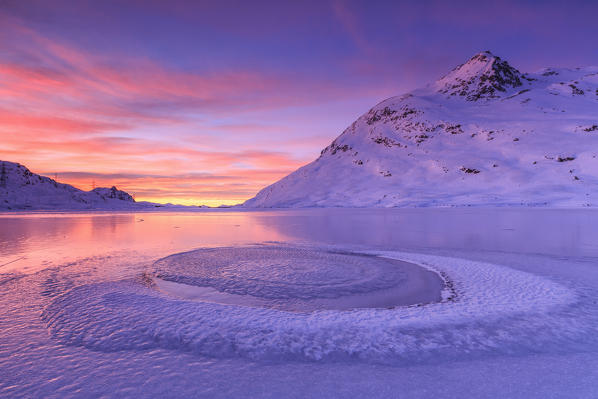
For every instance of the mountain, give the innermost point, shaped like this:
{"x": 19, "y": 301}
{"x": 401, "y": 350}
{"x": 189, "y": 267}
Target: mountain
{"x": 20, "y": 189}
{"x": 484, "y": 134}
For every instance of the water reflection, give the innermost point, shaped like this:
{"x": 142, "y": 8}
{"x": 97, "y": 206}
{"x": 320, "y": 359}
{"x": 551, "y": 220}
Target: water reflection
{"x": 29, "y": 242}
{"x": 544, "y": 231}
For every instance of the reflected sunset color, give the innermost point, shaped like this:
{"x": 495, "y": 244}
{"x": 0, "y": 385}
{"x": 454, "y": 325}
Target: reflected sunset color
{"x": 31, "y": 242}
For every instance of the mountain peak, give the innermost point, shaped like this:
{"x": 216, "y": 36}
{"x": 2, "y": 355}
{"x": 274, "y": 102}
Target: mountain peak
{"x": 113, "y": 192}
{"x": 483, "y": 76}
{"x": 485, "y": 135}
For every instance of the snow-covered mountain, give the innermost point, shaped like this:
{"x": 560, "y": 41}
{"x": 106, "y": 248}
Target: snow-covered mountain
{"x": 484, "y": 134}
{"x": 20, "y": 189}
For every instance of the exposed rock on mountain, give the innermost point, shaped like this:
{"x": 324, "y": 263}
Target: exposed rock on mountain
{"x": 484, "y": 134}
{"x": 481, "y": 77}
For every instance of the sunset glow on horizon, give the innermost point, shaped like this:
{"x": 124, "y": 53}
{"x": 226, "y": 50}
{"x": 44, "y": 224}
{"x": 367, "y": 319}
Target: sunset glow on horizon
{"x": 188, "y": 103}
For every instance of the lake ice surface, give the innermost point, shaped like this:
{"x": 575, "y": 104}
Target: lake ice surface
{"x": 83, "y": 316}
{"x": 295, "y": 279}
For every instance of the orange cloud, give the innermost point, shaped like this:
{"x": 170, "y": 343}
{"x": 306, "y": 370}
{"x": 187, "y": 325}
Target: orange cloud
{"x": 64, "y": 108}
{"x": 232, "y": 187}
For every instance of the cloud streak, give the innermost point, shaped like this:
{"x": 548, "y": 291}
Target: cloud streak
{"x": 65, "y": 106}
{"x": 193, "y": 102}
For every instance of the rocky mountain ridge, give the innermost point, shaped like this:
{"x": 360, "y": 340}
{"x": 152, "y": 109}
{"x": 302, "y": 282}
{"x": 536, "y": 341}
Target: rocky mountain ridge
{"x": 484, "y": 134}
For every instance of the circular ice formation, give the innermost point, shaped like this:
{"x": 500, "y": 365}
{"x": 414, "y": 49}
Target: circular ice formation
{"x": 497, "y": 310}
{"x": 280, "y": 273}
{"x": 295, "y": 279}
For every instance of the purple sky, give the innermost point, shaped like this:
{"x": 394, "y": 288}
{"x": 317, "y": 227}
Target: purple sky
{"x": 207, "y": 102}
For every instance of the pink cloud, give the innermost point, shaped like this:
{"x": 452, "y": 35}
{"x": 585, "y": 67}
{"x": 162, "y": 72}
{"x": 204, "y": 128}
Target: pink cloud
{"x": 350, "y": 22}
{"x": 67, "y": 108}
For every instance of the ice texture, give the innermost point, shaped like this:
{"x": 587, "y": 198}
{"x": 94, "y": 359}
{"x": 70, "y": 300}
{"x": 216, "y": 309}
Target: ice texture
{"x": 487, "y": 308}
{"x": 297, "y": 279}
{"x": 281, "y": 272}
{"x": 81, "y": 317}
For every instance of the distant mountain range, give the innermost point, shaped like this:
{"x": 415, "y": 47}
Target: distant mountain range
{"x": 484, "y": 134}
{"x": 20, "y": 190}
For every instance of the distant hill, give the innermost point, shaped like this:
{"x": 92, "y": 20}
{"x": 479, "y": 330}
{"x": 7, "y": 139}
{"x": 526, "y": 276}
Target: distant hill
{"x": 484, "y": 134}
{"x": 20, "y": 189}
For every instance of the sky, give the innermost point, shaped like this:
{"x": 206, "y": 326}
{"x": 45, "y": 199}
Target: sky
{"x": 207, "y": 102}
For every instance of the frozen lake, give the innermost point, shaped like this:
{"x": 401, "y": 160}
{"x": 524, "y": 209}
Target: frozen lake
{"x": 300, "y": 303}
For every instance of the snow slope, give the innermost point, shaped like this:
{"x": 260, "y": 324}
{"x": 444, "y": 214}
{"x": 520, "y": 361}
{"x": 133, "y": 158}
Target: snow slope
{"x": 20, "y": 189}
{"x": 484, "y": 134}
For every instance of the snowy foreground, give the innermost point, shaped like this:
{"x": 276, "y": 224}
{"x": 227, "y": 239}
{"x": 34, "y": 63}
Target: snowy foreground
{"x": 299, "y": 303}
{"x": 484, "y": 134}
